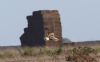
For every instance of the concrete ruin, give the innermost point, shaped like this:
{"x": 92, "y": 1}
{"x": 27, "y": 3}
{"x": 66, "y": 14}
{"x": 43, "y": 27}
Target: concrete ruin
{"x": 44, "y": 29}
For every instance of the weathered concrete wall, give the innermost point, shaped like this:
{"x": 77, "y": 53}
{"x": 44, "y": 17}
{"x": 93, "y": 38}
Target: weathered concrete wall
{"x": 44, "y": 29}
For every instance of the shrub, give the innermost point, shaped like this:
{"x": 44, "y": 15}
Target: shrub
{"x": 27, "y": 51}
{"x": 81, "y": 54}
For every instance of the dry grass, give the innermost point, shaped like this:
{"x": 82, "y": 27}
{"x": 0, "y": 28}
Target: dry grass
{"x": 38, "y": 54}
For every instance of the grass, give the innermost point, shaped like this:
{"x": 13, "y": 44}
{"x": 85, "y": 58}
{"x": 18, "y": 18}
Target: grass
{"x": 82, "y": 54}
{"x": 8, "y": 54}
{"x": 78, "y": 54}
{"x": 29, "y": 51}
{"x": 39, "y": 54}
{"x": 98, "y": 50}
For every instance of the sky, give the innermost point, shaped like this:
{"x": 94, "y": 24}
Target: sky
{"x": 80, "y": 18}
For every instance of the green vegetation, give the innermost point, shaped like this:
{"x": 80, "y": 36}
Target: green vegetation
{"x": 98, "y": 49}
{"x": 8, "y": 54}
{"x": 29, "y": 51}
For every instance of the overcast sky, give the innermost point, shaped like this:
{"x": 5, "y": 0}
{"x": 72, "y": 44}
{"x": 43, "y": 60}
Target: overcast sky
{"x": 80, "y": 18}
